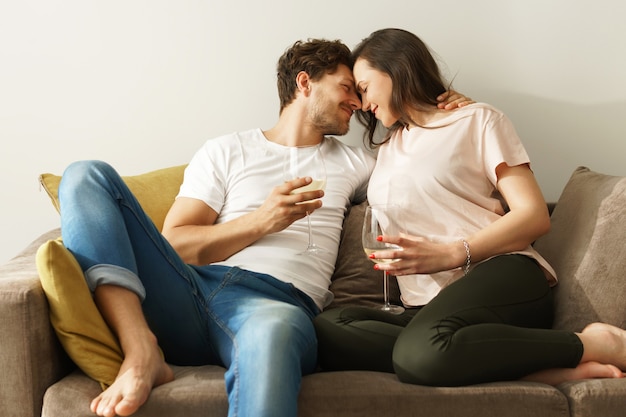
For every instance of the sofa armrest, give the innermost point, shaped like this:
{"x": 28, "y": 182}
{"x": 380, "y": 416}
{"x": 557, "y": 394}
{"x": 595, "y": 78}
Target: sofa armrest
{"x": 31, "y": 357}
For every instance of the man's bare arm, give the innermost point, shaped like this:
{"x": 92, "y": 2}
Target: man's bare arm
{"x": 191, "y": 229}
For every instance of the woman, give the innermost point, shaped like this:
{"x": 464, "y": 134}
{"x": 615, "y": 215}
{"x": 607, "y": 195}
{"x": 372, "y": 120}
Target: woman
{"x": 478, "y": 297}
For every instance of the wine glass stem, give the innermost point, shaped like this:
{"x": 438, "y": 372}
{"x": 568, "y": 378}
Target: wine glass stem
{"x": 308, "y": 219}
{"x": 386, "y": 288}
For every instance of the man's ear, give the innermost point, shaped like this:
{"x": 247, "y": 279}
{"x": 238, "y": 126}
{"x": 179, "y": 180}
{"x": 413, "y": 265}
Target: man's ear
{"x": 303, "y": 82}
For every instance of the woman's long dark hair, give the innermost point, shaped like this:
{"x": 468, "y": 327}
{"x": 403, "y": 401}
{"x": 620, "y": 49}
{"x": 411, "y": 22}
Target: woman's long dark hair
{"x": 416, "y": 79}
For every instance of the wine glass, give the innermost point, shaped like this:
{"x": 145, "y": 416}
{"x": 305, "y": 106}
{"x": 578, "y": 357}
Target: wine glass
{"x": 306, "y": 161}
{"x": 379, "y": 220}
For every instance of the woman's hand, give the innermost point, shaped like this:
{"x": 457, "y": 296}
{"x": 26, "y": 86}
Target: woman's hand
{"x": 452, "y": 99}
{"x": 420, "y": 256}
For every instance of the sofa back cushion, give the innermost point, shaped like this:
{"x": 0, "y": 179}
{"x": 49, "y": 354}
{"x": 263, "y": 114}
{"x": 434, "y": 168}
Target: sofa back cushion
{"x": 587, "y": 248}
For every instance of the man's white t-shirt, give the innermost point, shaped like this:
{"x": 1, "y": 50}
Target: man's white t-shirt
{"x": 234, "y": 174}
{"x": 444, "y": 175}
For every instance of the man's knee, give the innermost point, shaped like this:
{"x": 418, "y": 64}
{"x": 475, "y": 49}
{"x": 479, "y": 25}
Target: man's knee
{"x": 81, "y": 173}
{"x": 281, "y": 326}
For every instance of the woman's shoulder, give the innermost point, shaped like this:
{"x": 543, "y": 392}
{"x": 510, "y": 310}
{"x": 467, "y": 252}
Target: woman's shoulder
{"x": 481, "y": 108}
{"x": 480, "y": 113}
{"x": 474, "y": 113}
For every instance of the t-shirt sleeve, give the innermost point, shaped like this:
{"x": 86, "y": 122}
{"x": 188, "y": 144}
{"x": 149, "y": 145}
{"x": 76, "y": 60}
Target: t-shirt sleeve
{"x": 203, "y": 178}
{"x": 501, "y": 144}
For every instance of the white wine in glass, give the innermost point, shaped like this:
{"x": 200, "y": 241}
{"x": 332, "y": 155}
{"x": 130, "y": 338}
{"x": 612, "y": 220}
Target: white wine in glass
{"x": 382, "y": 220}
{"x": 306, "y": 161}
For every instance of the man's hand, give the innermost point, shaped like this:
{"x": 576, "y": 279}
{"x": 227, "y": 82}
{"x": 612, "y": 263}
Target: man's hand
{"x": 284, "y": 206}
{"x": 452, "y": 100}
{"x": 191, "y": 229}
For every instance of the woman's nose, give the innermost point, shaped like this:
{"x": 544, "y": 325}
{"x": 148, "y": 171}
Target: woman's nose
{"x": 365, "y": 105}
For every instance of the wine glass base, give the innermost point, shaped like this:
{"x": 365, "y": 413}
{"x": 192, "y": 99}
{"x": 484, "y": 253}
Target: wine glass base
{"x": 312, "y": 250}
{"x": 393, "y": 309}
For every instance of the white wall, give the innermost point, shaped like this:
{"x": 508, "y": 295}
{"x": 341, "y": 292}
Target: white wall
{"x": 142, "y": 84}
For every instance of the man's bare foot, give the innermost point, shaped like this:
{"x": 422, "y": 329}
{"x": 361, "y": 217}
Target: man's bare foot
{"x": 585, "y": 370}
{"x": 604, "y": 343}
{"x": 138, "y": 375}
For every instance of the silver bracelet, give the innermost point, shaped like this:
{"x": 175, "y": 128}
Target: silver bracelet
{"x": 468, "y": 259}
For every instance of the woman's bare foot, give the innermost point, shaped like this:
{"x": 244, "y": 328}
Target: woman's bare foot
{"x": 585, "y": 370}
{"x": 604, "y": 356}
{"x": 139, "y": 373}
{"x": 604, "y": 343}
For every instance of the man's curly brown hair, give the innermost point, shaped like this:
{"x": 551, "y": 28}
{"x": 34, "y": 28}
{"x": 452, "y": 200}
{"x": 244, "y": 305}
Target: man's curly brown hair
{"x": 316, "y": 57}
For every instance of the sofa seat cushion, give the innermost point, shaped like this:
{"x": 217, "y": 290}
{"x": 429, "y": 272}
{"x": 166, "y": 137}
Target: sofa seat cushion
{"x": 596, "y": 397}
{"x": 200, "y": 391}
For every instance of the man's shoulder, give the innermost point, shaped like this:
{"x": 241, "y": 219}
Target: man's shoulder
{"x": 357, "y": 159}
{"x": 238, "y": 135}
{"x": 335, "y": 144}
{"x": 231, "y": 139}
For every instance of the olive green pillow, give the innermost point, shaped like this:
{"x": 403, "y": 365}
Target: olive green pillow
{"x": 81, "y": 329}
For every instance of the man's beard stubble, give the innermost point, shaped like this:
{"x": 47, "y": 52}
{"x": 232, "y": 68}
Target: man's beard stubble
{"x": 329, "y": 122}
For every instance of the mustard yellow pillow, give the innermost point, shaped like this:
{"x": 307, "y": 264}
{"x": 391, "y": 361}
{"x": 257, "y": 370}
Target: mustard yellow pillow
{"x": 81, "y": 329}
{"x": 155, "y": 190}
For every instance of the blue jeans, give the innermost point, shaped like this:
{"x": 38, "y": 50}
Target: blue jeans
{"x": 255, "y": 325}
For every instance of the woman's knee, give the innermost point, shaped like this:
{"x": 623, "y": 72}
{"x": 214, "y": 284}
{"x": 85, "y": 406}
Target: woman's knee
{"x": 422, "y": 358}
{"x": 409, "y": 358}
{"x": 326, "y": 322}
{"x": 333, "y": 326}
{"x": 352, "y": 338}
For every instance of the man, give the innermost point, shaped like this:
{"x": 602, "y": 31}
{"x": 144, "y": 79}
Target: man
{"x": 224, "y": 284}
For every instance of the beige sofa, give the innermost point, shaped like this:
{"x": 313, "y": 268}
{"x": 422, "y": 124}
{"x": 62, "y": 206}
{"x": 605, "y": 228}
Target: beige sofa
{"x": 586, "y": 246}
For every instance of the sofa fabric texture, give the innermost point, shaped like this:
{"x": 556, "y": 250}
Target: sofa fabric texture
{"x": 585, "y": 246}
{"x": 587, "y": 249}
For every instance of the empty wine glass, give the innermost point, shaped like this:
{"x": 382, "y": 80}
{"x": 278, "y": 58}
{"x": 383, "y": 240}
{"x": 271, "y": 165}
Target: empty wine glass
{"x": 382, "y": 220}
{"x": 306, "y": 161}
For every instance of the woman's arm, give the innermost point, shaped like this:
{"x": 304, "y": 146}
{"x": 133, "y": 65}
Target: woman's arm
{"x": 527, "y": 219}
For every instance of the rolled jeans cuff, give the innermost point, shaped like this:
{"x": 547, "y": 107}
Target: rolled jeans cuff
{"x": 104, "y": 274}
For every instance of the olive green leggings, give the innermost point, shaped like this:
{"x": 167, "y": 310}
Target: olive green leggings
{"x": 491, "y": 325}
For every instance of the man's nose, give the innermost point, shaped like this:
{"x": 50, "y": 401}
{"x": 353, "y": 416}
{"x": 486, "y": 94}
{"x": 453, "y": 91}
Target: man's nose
{"x": 355, "y": 102}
